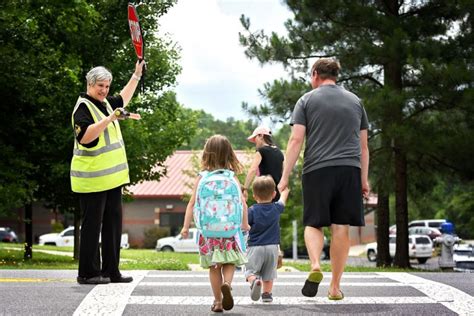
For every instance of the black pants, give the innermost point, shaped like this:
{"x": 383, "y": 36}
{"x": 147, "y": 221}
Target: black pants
{"x": 102, "y": 211}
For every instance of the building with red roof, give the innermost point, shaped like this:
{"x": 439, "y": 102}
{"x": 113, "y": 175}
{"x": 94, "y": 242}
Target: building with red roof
{"x": 163, "y": 203}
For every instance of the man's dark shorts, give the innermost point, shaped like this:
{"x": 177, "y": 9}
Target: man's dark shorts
{"x": 333, "y": 195}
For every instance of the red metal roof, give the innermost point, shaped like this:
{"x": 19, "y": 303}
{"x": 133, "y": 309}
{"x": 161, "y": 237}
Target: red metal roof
{"x": 177, "y": 180}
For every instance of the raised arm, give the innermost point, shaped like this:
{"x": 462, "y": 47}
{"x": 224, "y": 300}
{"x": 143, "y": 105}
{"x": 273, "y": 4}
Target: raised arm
{"x": 129, "y": 89}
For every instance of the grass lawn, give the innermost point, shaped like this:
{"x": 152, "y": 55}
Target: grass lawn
{"x": 134, "y": 259}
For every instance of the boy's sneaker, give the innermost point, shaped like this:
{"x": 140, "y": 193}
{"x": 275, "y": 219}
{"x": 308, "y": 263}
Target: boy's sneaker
{"x": 267, "y": 297}
{"x": 255, "y": 289}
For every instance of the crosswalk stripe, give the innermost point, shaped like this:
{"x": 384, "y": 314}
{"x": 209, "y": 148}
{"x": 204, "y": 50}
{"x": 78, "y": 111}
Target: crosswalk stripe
{"x": 282, "y": 300}
{"x": 280, "y": 276}
{"x": 277, "y": 283}
{"x": 112, "y": 299}
{"x": 109, "y": 299}
{"x": 454, "y": 299}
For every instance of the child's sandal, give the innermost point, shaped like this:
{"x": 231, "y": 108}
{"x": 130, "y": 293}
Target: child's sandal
{"x": 227, "y": 299}
{"x": 217, "y": 307}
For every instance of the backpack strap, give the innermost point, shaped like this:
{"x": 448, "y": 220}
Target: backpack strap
{"x": 242, "y": 242}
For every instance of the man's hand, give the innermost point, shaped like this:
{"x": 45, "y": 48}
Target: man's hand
{"x": 282, "y": 185}
{"x": 365, "y": 189}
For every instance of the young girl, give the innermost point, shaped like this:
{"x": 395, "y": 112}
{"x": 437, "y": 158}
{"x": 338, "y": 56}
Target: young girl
{"x": 268, "y": 159}
{"x": 220, "y": 255}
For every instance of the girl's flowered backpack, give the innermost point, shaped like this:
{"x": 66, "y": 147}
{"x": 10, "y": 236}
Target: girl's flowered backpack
{"x": 218, "y": 207}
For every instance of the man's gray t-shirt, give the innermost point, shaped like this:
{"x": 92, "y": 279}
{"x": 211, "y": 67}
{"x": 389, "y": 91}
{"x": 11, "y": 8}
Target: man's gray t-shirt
{"x": 333, "y": 118}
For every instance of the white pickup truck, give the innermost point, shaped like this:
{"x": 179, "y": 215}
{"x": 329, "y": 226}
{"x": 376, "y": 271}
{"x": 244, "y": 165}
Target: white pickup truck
{"x": 178, "y": 243}
{"x": 66, "y": 238}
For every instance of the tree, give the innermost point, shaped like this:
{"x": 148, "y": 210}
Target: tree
{"x": 48, "y": 47}
{"x": 400, "y": 57}
{"x": 236, "y": 131}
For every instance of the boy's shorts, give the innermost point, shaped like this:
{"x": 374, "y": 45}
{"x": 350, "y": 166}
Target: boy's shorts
{"x": 333, "y": 195}
{"x": 262, "y": 262}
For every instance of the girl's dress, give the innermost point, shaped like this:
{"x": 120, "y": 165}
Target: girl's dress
{"x": 214, "y": 251}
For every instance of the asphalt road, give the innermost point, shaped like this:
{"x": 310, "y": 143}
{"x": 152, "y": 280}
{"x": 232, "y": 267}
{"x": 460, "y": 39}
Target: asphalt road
{"x": 47, "y": 292}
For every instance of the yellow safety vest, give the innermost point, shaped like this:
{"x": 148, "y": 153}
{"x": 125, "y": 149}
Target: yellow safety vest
{"x": 104, "y": 166}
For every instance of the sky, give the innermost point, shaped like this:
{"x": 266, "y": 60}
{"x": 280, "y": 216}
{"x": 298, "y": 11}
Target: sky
{"x": 216, "y": 75}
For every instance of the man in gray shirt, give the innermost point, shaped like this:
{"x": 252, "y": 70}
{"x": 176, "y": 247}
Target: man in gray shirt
{"x": 335, "y": 171}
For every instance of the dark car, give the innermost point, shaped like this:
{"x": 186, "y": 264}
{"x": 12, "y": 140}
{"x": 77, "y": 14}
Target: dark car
{"x": 303, "y": 252}
{"x": 8, "y": 235}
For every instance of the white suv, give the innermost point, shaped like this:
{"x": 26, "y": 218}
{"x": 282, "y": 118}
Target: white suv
{"x": 66, "y": 238}
{"x": 420, "y": 247}
{"x": 178, "y": 243}
{"x": 433, "y": 223}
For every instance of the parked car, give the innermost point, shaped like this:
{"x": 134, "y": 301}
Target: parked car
{"x": 463, "y": 257}
{"x": 428, "y": 231}
{"x": 303, "y": 252}
{"x": 7, "y": 235}
{"x": 418, "y": 230}
{"x": 66, "y": 238}
{"x": 435, "y": 223}
{"x": 420, "y": 247}
{"x": 178, "y": 243}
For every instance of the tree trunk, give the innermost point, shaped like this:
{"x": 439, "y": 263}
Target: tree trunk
{"x": 393, "y": 80}
{"x": 402, "y": 259}
{"x": 28, "y": 255}
{"x": 383, "y": 212}
{"x": 77, "y": 231}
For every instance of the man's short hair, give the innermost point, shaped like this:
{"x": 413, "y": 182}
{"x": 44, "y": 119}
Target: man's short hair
{"x": 98, "y": 74}
{"x": 327, "y": 68}
{"x": 263, "y": 187}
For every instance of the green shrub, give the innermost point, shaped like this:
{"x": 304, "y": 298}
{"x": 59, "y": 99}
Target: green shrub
{"x": 152, "y": 234}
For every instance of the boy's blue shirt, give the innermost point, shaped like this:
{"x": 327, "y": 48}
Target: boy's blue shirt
{"x": 264, "y": 220}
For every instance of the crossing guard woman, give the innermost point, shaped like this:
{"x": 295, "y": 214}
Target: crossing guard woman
{"x": 99, "y": 169}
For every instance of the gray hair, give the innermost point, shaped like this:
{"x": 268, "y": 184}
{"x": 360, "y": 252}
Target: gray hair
{"x": 98, "y": 74}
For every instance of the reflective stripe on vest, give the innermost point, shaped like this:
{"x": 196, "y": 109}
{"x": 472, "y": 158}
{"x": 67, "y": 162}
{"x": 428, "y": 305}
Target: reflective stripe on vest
{"x": 103, "y": 166}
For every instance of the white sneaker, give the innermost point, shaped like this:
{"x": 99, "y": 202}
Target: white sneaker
{"x": 255, "y": 289}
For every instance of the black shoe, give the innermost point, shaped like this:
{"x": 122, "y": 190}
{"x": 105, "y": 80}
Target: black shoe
{"x": 121, "y": 279}
{"x": 93, "y": 280}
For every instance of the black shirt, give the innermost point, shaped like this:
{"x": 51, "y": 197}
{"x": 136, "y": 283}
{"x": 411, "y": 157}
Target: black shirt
{"x": 271, "y": 164}
{"x": 83, "y": 117}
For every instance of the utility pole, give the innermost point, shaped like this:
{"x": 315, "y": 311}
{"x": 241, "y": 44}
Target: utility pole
{"x": 28, "y": 231}
{"x": 295, "y": 240}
